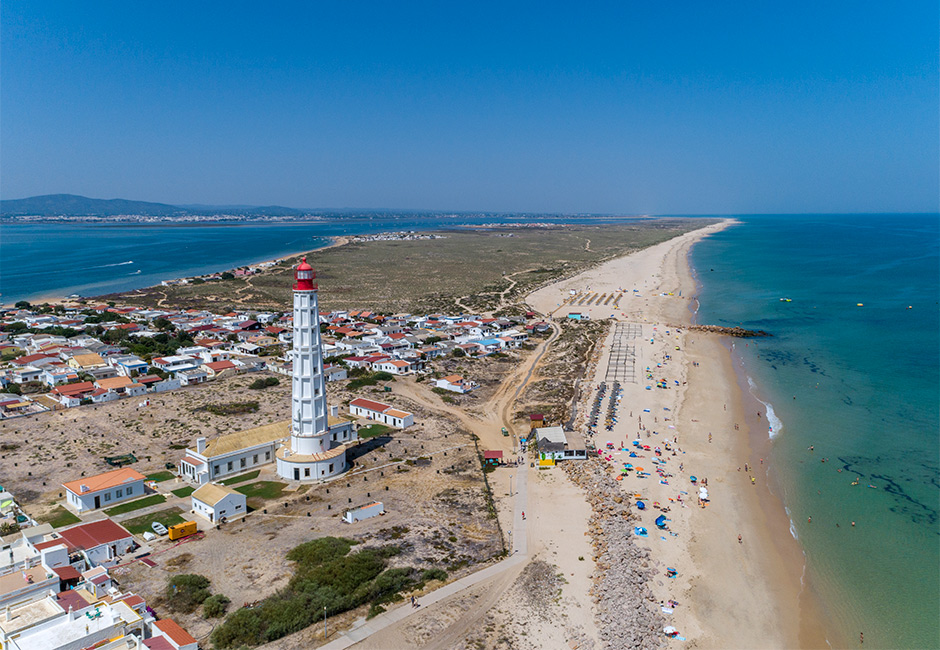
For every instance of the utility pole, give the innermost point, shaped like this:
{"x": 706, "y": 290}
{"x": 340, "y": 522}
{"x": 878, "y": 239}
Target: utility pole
{"x": 324, "y": 623}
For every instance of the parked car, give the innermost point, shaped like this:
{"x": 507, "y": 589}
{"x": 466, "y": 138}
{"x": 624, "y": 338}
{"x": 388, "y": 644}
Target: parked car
{"x": 159, "y": 528}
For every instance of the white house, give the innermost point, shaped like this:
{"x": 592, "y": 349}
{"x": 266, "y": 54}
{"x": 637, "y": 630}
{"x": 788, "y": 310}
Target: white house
{"x": 101, "y": 542}
{"x": 384, "y": 413}
{"x": 176, "y": 363}
{"x": 455, "y": 384}
{"x": 217, "y": 502}
{"x": 393, "y": 366}
{"x": 555, "y": 444}
{"x": 102, "y": 490}
{"x": 193, "y": 376}
{"x": 177, "y": 637}
{"x": 334, "y": 373}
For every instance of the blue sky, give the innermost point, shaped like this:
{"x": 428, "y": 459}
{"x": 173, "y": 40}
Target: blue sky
{"x": 627, "y": 107}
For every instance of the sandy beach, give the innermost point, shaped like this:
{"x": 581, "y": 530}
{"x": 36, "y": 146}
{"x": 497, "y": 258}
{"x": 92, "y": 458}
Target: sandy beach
{"x": 730, "y": 593}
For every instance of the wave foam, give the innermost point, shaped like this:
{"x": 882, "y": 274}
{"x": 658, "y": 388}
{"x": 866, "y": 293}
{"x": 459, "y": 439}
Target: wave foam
{"x": 775, "y": 424}
{"x": 104, "y": 266}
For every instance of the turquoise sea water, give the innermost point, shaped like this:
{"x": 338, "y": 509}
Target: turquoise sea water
{"x": 861, "y": 385}
{"x": 40, "y": 259}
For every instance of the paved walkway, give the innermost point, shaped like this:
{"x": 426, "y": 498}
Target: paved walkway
{"x": 363, "y": 629}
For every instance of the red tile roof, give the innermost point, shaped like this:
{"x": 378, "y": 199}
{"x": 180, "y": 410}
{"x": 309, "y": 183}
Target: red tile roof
{"x": 96, "y": 533}
{"x": 171, "y": 629}
{"x": 492, "y": 454}
{"x": 67, "y": 573}
{"x": 369, "y": 404}
{"x": 218, "y": 366}
{"x": 74, "y": 389}
{"x": 104, "y": 481}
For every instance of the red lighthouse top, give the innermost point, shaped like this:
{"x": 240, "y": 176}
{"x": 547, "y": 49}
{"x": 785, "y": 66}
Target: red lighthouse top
{"x": 303, "y": 275}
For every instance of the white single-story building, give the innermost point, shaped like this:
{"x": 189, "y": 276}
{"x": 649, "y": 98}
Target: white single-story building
{"x": 232, "y": 453}
{"x": 384, "y": 413}
{"x": 455, "y": 384}
{"x": 103, "y": 490}
{"x": 393, "y": 366}
{"x": 217, "y": 502}
{"x": 101, "y": 542}
{"x": 367, "y": 511}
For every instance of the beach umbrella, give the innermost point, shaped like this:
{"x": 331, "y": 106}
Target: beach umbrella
{"x": 670, "y": 630}
{"x": 640, "y": 505}
{"x": 693, "y": 479}
{"x": 661, "y": 520}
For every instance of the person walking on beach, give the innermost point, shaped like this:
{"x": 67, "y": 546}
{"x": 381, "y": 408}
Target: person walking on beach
{"x": 739, "y": 540}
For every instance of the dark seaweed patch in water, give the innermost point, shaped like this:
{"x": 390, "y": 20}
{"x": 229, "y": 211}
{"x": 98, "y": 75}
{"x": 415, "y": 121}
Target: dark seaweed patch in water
{"x": 813, "y": 367}
{"x": 848, "y": 401}
{"x": 776, "y": 357}
{"x": 905, "y": 505}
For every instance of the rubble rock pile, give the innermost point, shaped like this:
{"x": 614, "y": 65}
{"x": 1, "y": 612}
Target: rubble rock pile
{"x": 628, "y": 615}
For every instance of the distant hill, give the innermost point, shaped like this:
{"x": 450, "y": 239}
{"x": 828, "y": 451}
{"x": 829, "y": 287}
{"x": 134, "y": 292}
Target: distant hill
{"x": 72, "y": 205}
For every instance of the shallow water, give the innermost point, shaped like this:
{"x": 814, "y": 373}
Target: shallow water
{"x": 858, "y": 383}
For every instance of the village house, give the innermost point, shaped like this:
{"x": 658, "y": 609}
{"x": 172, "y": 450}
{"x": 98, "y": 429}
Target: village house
{"x": 70, "y": 395}
{"x": 455, "y": 384}
{"x": 128, "y": 364}
{"x": 176, "y": 637}
{"x": 100, "y": 543}
{"x": 86, "y": 362}
{"x": 93, "y": 492}
{"x": 217, "y": 502}
{"x": 218, "y": 369}
{"x": 175, "y": 363}
{"x": 383, "y": 413}
{"x": 394, "y": 366}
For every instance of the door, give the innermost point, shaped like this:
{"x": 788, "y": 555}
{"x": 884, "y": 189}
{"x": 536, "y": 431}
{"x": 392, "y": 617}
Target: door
{"x": 97, "y": 501}
{"x": 296, "y": 474}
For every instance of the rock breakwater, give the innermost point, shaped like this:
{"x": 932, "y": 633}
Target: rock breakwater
{"x": 739, "y": 332}
{"x": 628, "y": 615}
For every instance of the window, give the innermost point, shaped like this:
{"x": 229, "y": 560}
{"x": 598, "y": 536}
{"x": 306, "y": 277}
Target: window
{"x": 242, "y": 462}
{"x": 118, "y": 494}
{"x": 306, "y": 471}
{"x": 230, "y": 466}
{"x": 254, "y": 461}
{"x": 238, "y": 506}
{"x": 267, "y": 455}
{"x": 130, "y": 490}
{"x": 107, "y": 496}
{"x": 216, "y": 469}
{"x": 331, "y": 468}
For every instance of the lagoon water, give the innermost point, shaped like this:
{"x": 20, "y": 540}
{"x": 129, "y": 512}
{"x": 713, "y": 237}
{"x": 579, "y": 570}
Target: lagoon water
{"x": 861, "y": 385}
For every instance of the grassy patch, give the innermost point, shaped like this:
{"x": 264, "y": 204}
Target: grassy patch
{"x": 168, "y": 517}
{"x": 159, "y": 477}
{"x": 59, "y": 517}
{"x": 374, "y": 430}
{"x": 241, "y": 478}
{"x": 130, "y": 506}
{"x": 262, "y": 491}
{"x": 184, "y": 491}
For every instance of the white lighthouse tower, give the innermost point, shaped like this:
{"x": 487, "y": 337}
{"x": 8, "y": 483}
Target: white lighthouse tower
{"x": 317, "y": 450}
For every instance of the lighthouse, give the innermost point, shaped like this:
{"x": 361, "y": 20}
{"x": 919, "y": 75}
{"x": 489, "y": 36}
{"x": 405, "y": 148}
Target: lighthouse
{"x": 318, "y": 439}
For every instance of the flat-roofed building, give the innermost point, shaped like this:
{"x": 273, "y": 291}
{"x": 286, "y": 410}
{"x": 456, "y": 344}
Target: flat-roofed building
{"x": 101, "y": 490}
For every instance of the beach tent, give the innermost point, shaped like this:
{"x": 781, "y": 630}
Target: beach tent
{"x": 661, "y": 521}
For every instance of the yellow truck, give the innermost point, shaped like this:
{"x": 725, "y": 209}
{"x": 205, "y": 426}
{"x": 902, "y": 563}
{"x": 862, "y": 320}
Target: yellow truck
{"x": 185, "y": 529}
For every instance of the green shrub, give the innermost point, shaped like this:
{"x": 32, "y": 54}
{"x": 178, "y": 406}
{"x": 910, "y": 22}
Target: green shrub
{"x": 433, "y": 574}
{"x": 186, "y": 592}
{"x": 214, "y": 606}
